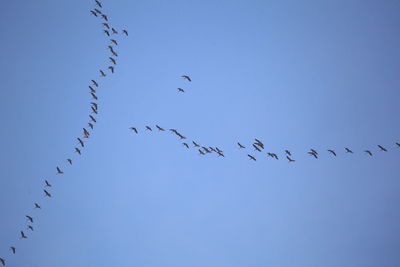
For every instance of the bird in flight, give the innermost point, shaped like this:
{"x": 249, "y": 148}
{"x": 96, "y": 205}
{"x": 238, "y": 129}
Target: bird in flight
{"x": 95, "y": 83}
{"x": 201, "y": 152}
{"x": 105, "y": 24}
{"x": 3, "y": 261}
{"x": 114, "y": 41}
{"x": 37, "y": 206}
{"x": 220, "y": 154}
{"x": 59, "y": 171}
{"x": 81, "y": 142}
{"x": 13, "y": 249}
{"x": 111, "y": 68}
{"x": 90, "y": 125}
{"x": 181, "y": 90}
{"x": 290, "y": 159}
{"x": 382, "y": 148}
{"x": 251, "y": 157}
{"x": 93, "y": 13}
{"x": 94, "y": 96}
{"x": 134, "y": 129}
{"x": 29, "y": 218}
{"x": 398, "y": 144}
{"x": 288, "y": 153}
{"x": 186, "y": 145}
{"x": 98, "y": 3}
{"x": 186, "y": 77}
{"x": 104, "y": 17}
{"x": 368, "y": 152}
{"x": 47, "y": 183}
{"x": 240, "y": 145}
{"x": 259, "y": 143}
{"x": 256, "y": 148}
{"x": 312, "y": 153}
{"x": 47, "y": 193}
{"x": 97, "y": 11}
{"x": 94, "y": 110}
{"x": 30, "y": 228}
{"x": 332, "y": 152}
{"x": 92, "y": 90}
{"x": 160, "y": 128}
{"x": 114, "y": 31}
{"x": 348, "y": 150}
{"x": 102, "y": 74}
{"x": 106, "y": 32}
{"x": 113, "y": 60}
{"x": 125, "y": 32}
{"x": 69, "y": 161}
{"x": 195, "y": 144}
{"x": 23, "y": 234}
{"x": 148, "y": 128}
{"x": 92, "y": 118}
{"x": 77, "y": 150}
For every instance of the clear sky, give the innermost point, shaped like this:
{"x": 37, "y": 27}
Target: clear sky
{"x": 294, "y": 74}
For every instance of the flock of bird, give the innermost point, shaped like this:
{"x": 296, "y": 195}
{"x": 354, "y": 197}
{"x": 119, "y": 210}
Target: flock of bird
{"x": 257, "y": 146}
{"x": 94, "y": 109}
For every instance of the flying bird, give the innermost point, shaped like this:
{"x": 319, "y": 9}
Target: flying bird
{"x": 206, "y": 149}
{"x": 114, "y": 41}
{"x": 23, "y": 234}
{"x": 159, "y": 128}
{"x": 93, "y": 13}
{"x": 134, "y": 129}
{"x": 398, "y": 144}
{"x": 85, "y": 133}
{"x": 77, "y": 150}
{"x": 90, "y": 125}
{"x": 105, "y": 24}
{"x": 195, "y": 144}
{"x": 382, "y": 148}
{"x": 47, "y": 194}
{"x": 102, "y": 74}
{"x": 114, "y": 31}
{"x": 240, "y": 145}
{"x": 37, "y": 206}
{"x": 125, "y": 32}
{"x": 104, "y": 17}
{"x": 3, "y": 261}
{"x": 95, "y": 83}
{"x": 348, "y": 150}
{"x": 94, "y": 96}
{"x": 94, "y": 110}
{"x": 114, "y": 53}
{"x": 111, "y": 68}
{"x": 251, "y": 157}
{"x": 256, "y": 148}
{"x": 30, "y": 228}
{"x": 186, "y": 77}
{"x": 98, "y": 3}
{"x": 288, "y": 153}
{"x": 97, "y": 11}
{"x": 69, "y": 161}
{"x": 94, "y": 104}
{"x": 290, "y": 159}
{"x": 106, "y": 32}
{"x": 80, "y": 142}
{"x": 368, "y": 152}
{"x": 186, "y": 145}
{"x": 259, "y": 143}
{"x": 148, "y": 128}
{"x": 13, "y": 249}
{"x": 313, "y": 151}
{"x": 181, "y": 136}
{"x": 92, "y": 90}
{"x": 201, "y": 152}
{"x": 92, "y": 118}
{"x": 181, "y": 90}
{"x": 29, "y": 218}
{"x": 220, "y": 154}
{"x": 313, "y": 154}
{"x": 47, "y": 183}
{"x": 332, "y": 152}
{"x": 113, "y": 60}
{"x": 59, "y": 171}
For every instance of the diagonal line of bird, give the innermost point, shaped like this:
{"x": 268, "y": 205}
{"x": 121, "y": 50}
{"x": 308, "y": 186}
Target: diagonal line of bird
{"x": 94, "y": 108}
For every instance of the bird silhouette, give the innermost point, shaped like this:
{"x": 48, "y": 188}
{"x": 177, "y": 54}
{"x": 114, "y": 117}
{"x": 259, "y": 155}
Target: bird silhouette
{"x": 114, "y": 53}
{"x": 181, "y": 136}
{"x": 398, "y": 144}
{"x": 69, "y": 161}
{"x": 113, "y": 60}
{"x": 29, "y": 218}
{"x": 104, "y": 17}
{"x": 111, "y": 68}
{"x": 95, "y": 83}
{"x": 92, "y": 90}
{"x": 206, "y": 149}
{"x": 59, "y": 171}
{"x": 80, "y": 142}
{"x": 134, "y": 129}
{"x": 160, "y": 128}
{"x": 186, "y": 145}
{"x": 186, "y": 77}
{"x": 106, "y": 32}
{"x": 181, "y": 90}
{"x": 348, "y": 150}
{"x": 125, "y": 32}
{"x": 220, "y": 154}
{"x": 47, "y": 194}
{"x": 94, "y": 110}
{"x": 368, "y": 152}
{"x": 3, "y": 261}
{"x": 256, "y": 148}
{"x": 105, "y": 24}
{"x": 382, "y": 148}
{"x": 13, "y": 249}
{"x": 37, "y": 206}
{"x": 94, "y": 96}
{"x": 98, "y": 3}
{"x": 148, "y": 128}
{"x": 77, "y": 150}
{"x": 288, "y": 153}
{"x": 259, "y": 143}
{"x": 94, "y": 104}
{"x": 90, "y": 125}
{"x": 251, "y": 157}
{"x": 23, "y": 235}
{"x": 201, "y": 152}
{"x": 290, "y": 159}
{"x": 93, "y": 13}
{"x": 92, "y": 118}
{"x": 195, "y": 144}
{"x": 114, "y": 31}
{"x": 332, "y": 152}
{"x": 102, "y": 74}
{"x": 114, "y": 41}
{"x": 312, "y": 153}
{"x": 97, "y": 11}
{"x": 240, "y": 145}
{"x": 47, "y": 183}
{"x": 30, "y": 228}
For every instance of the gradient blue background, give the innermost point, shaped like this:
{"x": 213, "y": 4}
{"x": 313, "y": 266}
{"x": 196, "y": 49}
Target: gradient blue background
{"x": 295, "y": 74}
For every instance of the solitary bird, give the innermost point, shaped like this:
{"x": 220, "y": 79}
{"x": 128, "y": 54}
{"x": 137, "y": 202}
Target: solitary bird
{"x": 181, "y": 90}
{"x": 134, "y": 129}
{"x": 186, "y": 145}
{"x": 251, "y": 157}
{"x": 77, "y": 150}
{"x": 30, "y": 228}
{"x": 29, "y": 218}
{"x": 102, "y": 74}
{"x": 92, "y": 118}
{"x": 240, "y": 145}
{"x": 13, "y": 249}
{"x": 111, "y": 68}
{"x": 148, "y": 128}
{"x": 125, "y": 32}
{"x": 195, "y": 144}
{"x": 59, "y": 171}
{"x": 80, "y": 142}
{"x": 160, "y": 128}
{"x": 114, "y": 41}
{"x": 23, "y": 234}
{"x": 98, "y": 3}
{"x": 69, "y": 161}
{"x": 113, "y": 60}
{"x": 114, "y": 31}
{"x": 332, "y": 152}
{"x": 348, "y": 150}
{"x": 90, "y": 125}
{"x": 288, "y": 153}
{"x": 47, "y": 183}
{"x": 368, "y": 152}
{"x": 47, "y": 193}
{"x": 37, "y": 206}
{"x": 382, "y": 148}
{"x": 186, "y": 77}
{"x": 3, "y": 261}
{"x": 290, "y": 159}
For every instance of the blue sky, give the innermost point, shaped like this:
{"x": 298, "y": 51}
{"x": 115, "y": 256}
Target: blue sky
{"x": 295, "y": 74}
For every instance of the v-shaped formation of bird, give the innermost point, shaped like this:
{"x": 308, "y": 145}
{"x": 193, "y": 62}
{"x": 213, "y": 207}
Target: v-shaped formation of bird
{"x": 94, "y": 109}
